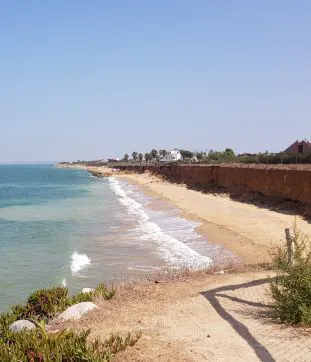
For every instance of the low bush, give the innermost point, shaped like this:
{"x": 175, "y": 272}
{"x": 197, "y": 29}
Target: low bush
{"x": 291, "y": 289}
{"x": 100, "y": 291}
{"x": 62, "y": 346}
{"x": 38, "y": 345}
{"x": 44, "y": 304}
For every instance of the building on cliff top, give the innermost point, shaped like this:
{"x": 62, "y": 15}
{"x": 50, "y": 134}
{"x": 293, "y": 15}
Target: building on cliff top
{"x": 171, "y": 156}
{"x": 299, "y": 147}
{"x": 113, "y": 160}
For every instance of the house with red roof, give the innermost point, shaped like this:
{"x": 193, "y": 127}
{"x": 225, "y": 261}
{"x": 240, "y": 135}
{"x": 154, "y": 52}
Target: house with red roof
{"x": 302, "y": 147}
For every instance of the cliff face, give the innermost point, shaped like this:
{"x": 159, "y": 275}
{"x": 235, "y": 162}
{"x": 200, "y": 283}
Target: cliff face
{"x": 292, "y": 183}
{"x": 276, "y": 182}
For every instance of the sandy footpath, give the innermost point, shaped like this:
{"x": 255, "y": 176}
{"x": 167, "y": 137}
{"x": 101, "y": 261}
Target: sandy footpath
{"x": 203, "y": 318}
{"x": 245, "y": 229}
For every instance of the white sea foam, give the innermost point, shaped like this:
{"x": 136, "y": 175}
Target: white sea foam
{"x": 173, "y": 250}
{"x": 79, "y": 261}
{"x": 64, "y": 283}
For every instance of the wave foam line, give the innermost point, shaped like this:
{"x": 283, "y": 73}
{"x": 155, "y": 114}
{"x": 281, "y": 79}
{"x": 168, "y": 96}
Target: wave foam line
{"x": 171, "y": 249}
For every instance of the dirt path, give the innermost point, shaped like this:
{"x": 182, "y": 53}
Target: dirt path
{"x": 212, "y": 318}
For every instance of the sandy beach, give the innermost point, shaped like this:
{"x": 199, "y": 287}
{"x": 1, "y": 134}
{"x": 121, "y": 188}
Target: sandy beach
{"x": 248, "y": 231}
{"x": 245, "y": 229}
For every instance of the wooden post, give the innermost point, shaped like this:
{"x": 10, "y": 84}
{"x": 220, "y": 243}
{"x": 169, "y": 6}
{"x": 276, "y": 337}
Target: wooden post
{"x": 290, "y": 246}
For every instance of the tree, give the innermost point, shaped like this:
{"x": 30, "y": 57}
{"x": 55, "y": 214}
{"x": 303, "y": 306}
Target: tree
{"x": 147, "y": 157}
{"x": 126, "y": 157}
{"x": 135, "y": 156}
{"x": 229, "y": 152}
{"x": 140, "y": 157}
{"x": 163, "y": 153}
{"x": 215, "y": 156}
{"x": 186, "y": 154}
{"x": 154, "y": 153}
{"x": 200, "y": 155}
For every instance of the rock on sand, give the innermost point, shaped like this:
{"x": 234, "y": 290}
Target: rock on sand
{"x": 76, "y": 311}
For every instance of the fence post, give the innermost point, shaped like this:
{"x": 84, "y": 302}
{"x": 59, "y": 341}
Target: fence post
{"x": 290, "y": 246}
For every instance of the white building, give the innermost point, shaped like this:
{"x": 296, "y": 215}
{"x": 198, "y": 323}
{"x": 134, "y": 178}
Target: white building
{"x": 171, "y": 156}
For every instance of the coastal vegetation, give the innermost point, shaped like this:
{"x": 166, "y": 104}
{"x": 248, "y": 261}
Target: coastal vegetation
{"x": 211, "y": 157}
{"x": 291, "y": 289}
{"x": 66, "y": 345}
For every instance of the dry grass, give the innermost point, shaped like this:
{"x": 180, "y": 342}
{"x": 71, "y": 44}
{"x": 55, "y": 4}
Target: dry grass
{"x": 170, "y": 275}
{"x": 183, "y": 273}
{"x": 145, "y": 288}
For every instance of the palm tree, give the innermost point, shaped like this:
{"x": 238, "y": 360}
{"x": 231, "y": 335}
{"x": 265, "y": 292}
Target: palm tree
{"x": 126, "y": 157}
{"x": 134, "y": 155}
{"x": 140, "y": 157}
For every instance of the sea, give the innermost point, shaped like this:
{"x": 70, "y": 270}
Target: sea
{"x": 65, "y": 227}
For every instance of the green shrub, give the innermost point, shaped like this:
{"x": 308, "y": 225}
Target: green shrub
{"x": 81, "y": 297}
{"x": 291, "y": 289}
{"x": 44, "y": 304}
{"x": 100, "y": 291}
{"x": 63, "y": 346}
{"x": 66, "y": 346}
{"x": 6, "y": 319}
{"x": 41, "y": 305}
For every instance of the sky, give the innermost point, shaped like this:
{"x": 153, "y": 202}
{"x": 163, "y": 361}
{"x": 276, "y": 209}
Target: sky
{"x": 96, "y": 79}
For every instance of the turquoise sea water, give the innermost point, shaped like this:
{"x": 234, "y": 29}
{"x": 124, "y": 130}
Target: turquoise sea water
{"x": 63, "y": 226}
{"x": 45, "y": 216}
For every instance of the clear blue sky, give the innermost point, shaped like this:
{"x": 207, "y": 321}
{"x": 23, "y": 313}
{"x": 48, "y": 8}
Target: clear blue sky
{"x": 93, "y": 79}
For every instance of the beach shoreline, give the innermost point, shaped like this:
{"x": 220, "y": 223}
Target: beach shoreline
{"x": 246, "y": 230}
{"x": 239, "y": 245}
{"x": 213, "y": 234}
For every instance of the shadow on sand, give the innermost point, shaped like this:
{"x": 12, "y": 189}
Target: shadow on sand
{"x": 213, "y": 295}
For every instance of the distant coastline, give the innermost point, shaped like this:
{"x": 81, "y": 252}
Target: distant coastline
{"x": 31, "y": 163}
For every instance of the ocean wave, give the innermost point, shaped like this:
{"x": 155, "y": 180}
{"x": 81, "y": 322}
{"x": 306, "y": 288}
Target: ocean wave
{"x": 173, "y": 250}
{"x": 79, "y": 261}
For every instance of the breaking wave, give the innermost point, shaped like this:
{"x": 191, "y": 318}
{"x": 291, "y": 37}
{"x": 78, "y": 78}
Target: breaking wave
{"x": 79, "y": 261}
{"x": 171, "y": 249}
